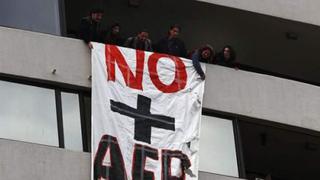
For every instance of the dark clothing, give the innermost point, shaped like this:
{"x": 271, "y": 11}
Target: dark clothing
{"x": 196, "y": 59}
{"x": 135, "y": 43}
{"x": 90, "y": 30}
{"x": 174, "y": 46}
{"x": 220, "y": 60}
{"x": 114, "y": 39}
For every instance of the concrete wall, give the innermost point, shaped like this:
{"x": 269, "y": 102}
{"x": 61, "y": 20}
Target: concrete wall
{"x": 35, "y": 55}
{"x": 27, "y": 161}
{"x": 36, "y": 15}
{"x": 261, "y": 96}
{"x": 210, "y": 176}
{"x": 20, "y": 160}
{"x": 298, "y": 10}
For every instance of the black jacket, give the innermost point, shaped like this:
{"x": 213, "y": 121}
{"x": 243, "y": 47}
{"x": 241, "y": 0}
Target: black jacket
{"x": 114, "y": 39}
{"x": 196, "y": 59}
{"x": 220, "y": 60}
{"x": 90, "y": 30}
{"x": 174, "y": 46}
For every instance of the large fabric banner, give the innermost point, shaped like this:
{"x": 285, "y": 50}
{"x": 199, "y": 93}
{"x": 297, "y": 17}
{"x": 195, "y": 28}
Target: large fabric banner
{"x": 146, "y": 110}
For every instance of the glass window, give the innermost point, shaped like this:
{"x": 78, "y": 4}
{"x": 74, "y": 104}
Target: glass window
{"x": 217, "y": 147}
{"x": 28, "y": 113}
{"x": 279, "y": 152}
{"x": 71, "y": 121}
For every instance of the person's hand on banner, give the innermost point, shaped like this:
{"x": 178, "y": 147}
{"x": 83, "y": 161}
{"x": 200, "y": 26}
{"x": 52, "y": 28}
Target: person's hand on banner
{"x": 203, "y": 77}
{"x": 90, "y": 45}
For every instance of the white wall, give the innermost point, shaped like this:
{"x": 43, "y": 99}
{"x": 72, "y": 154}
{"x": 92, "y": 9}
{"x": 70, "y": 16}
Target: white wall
{"x": 27, "y": 161}
{"x": 299, "y": 10}
{"x": 35, "y": 55}
{"x": 35, "y": 15}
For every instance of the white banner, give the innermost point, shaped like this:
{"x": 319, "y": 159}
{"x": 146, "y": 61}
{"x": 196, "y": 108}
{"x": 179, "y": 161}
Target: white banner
{"x": 146, "y": 110}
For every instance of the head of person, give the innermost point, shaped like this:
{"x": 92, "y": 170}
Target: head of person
{"x": 174, "y": 31}
{"x": 115, "y": 28}
{"x": 228, "y": 53}
{"x": 207, "y": 53}
{"x": 96, "y": 15}
{"x": 143, "y": 35}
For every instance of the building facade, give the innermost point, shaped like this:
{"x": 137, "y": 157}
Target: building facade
{"x": 255, "y": 124}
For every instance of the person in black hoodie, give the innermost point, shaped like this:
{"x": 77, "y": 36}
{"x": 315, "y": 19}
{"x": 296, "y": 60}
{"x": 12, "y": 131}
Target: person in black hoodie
{"x": 90, "y": 28}
{"x": 171, "y": 44}
{"x": 226, "y": 57}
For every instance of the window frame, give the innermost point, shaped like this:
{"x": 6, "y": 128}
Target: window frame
{"x": 58, "y": 89}
{"x": 237, "y": 136}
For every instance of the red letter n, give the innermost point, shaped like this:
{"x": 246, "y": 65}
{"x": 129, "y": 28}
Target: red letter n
{"x": 114, "y": 56}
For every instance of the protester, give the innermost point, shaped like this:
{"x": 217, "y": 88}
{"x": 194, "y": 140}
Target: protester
{"x": 90, "y": 27}
{"x": 114, "y": 35}
{"x": 172, "y": 44}
{"x": 141, "y": 41}
{"x": 204, "y": 54}
{"x": 227, "y": 57}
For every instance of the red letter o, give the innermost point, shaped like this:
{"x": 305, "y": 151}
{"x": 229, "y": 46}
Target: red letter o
{"x": 180, "y": 79}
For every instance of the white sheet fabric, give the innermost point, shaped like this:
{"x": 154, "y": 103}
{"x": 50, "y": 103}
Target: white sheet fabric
{"x": 184, "y": 106}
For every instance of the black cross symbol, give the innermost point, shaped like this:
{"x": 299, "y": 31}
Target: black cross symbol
{"x": 143, "y": 119}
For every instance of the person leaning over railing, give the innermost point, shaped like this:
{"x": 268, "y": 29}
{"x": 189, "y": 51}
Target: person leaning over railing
{"x": 90, "y": 27}
{"x": 204, "y": 54}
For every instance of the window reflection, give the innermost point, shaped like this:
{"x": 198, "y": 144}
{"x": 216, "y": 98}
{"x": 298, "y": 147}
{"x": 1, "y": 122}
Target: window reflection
{"x": 71, "y": 121}
{"x": 28, "y": 113}
{"x": 217, "y": 147}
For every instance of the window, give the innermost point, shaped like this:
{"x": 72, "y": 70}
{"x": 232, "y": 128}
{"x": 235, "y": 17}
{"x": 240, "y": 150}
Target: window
{"x": 71, "y": 121}
{"x": 28, "y": 113}
{"x": 217, "y": 147}
{"x": 47, "y": 116}
{"x": 279, "y": 152}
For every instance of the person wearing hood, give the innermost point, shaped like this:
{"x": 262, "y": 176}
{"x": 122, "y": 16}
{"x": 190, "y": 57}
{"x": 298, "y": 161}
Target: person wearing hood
{"x": 204, "y": 54}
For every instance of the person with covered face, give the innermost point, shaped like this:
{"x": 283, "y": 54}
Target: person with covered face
{"x": 226, "y": 57}
{"x": 204, "y": 54}
{"x": 90, "y": 27}
{"x": 141, "y": 41}
{"x": 172, "y": 44}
